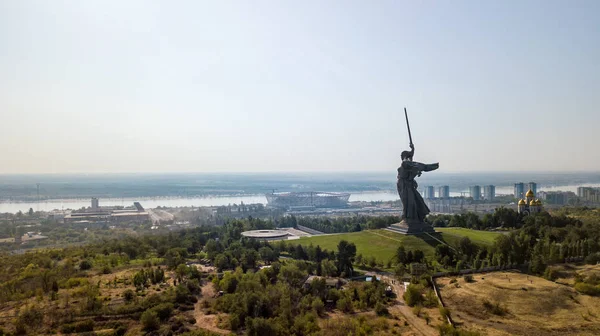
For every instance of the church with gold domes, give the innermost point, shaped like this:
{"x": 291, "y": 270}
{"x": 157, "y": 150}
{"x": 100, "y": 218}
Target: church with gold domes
{"x": 529, "y": 205}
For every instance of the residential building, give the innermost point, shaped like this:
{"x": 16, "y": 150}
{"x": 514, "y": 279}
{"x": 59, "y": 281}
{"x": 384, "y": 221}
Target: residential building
{"x": 444, "y": 192}
{"x": 429, "y": 192}
{"x": 475, "y": 192}
{"x": 489, "y": 192}
{"x": 520, "y": 190}
{"x": 533, "y": 187}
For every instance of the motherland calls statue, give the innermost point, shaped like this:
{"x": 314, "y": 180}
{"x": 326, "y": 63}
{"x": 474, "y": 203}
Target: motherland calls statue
{"x": 414, "y": 209}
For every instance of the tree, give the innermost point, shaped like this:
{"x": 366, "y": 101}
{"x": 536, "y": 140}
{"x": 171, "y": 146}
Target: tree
{"x": 345, "y": 257}
{"x": 413, "y": 296}
{"x": 466, "y": 247}
{"x": 328, "y": 268}
{"x": 30, "y": 212}
{"x": 181, "y": 271}
{"x": 401, "y": 254}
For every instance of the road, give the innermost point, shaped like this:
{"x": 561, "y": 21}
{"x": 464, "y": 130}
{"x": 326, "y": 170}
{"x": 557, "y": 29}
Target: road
{"x": 417, "y": 324}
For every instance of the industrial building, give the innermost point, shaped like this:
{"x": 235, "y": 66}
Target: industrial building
{"x": 307, "y": 200}
{"x": 95, "y": 214}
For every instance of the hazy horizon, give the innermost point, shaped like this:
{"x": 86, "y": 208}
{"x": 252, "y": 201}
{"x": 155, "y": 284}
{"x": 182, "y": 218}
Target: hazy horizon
{"x": 156, "y": 87}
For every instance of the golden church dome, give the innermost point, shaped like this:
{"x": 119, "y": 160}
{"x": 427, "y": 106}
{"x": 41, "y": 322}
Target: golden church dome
{"x": 529, "y": 193}
{"x": 522, "y": 202}
{"x": 532, "y": 203}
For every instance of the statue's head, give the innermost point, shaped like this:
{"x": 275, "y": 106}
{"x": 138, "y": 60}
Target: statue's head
{"x": 406, "y": 155}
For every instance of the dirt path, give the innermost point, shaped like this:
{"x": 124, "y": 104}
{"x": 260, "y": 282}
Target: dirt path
{"x": 417, "y": 324}
{"x": 208, "y": 322}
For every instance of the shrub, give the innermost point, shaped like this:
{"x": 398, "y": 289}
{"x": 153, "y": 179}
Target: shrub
{"x": 318, "y": 306}
{"x": 381, "y": 309}
{"x": 413, "y": 296}
{"x": 495, "y": 309}
{"x": 468, "y": 278}
{"x": 550, "y": 274}
{"x": 77, "y": 327}
{"x": 85, "y": 265}
{"x": 417, "y": 310}
{"x": 345, "y": 304}
{"x": 445, "y": 312}
{"x": 128, "y": 295}
{"x": 150, "y": 320}
{"x": 163, "y": 311}
{"x": 593, "y": 258}
{"x": 587, "y": 289}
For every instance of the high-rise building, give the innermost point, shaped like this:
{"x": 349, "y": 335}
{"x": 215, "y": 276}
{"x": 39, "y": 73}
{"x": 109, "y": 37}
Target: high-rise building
{"x": 444, "y": 192}
{"x": 520, "y": 190}
{"x": 429, "y": 192}
{"x": 489, "y": 192}
{"x": 475, "y": 192}
{"x": 95, "y": 204}
{"x": 533, "y": 187}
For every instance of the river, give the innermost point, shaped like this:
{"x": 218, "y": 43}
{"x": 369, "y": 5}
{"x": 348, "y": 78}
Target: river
{"x": 153, "y": 202}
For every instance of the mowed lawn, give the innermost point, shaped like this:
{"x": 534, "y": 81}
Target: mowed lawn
{"x": 382, "y": 244}
{"x": 453, "y": 235}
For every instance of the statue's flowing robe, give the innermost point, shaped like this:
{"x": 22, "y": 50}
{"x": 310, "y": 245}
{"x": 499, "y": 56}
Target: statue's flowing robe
{"x": 413, "y": 205}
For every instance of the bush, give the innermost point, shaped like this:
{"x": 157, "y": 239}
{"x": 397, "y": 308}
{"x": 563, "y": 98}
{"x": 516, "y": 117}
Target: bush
{"x": 345, "y": 304}
{"x": 593, "y": 258}
{"x": 495, "y": 309}
{"x": 128, "y": 295}
{"x": 448, "y": 330}
{"x": 468, "y": 278}
{"x": 417, "y": 310}
{"x": 381, "y": 309}
{"x": 413, "y": 296}
{"x": 445, "y": 312}
{"x": 587, "y": 289}
{"x": 551, "y": 274}
{"x": 77, "y": 327}
{"x": 150, "y": 320}
{"x": 318, "y": 306}
{"x": 85, "y": 265}
{"x": 163, "y": 311}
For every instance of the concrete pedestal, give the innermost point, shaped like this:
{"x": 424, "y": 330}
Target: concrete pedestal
{"x": 411, "y": 227}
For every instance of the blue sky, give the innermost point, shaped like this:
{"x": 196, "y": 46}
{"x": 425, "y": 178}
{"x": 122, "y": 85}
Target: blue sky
{"x": 239, "y": 86}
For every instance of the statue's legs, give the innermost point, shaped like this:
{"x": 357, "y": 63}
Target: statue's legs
{"x": 403, "y": 198}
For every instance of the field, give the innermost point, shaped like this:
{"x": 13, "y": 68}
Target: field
{"x": 382, "y": 244}
{"x": 510, "y": 303}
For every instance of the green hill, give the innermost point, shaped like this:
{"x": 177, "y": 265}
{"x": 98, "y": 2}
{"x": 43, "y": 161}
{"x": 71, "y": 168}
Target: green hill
{"x": 382, "y": 244}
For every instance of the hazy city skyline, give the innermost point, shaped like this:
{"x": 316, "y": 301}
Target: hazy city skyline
{"x": 157, "y": 86}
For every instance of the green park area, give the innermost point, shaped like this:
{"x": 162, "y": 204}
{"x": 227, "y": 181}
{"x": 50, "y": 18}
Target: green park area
{"x": 382, "y": 244}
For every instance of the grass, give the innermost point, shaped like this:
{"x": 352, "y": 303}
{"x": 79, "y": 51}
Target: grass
{"x": 382, "y": 244}
{"x": 453, "y": 235}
